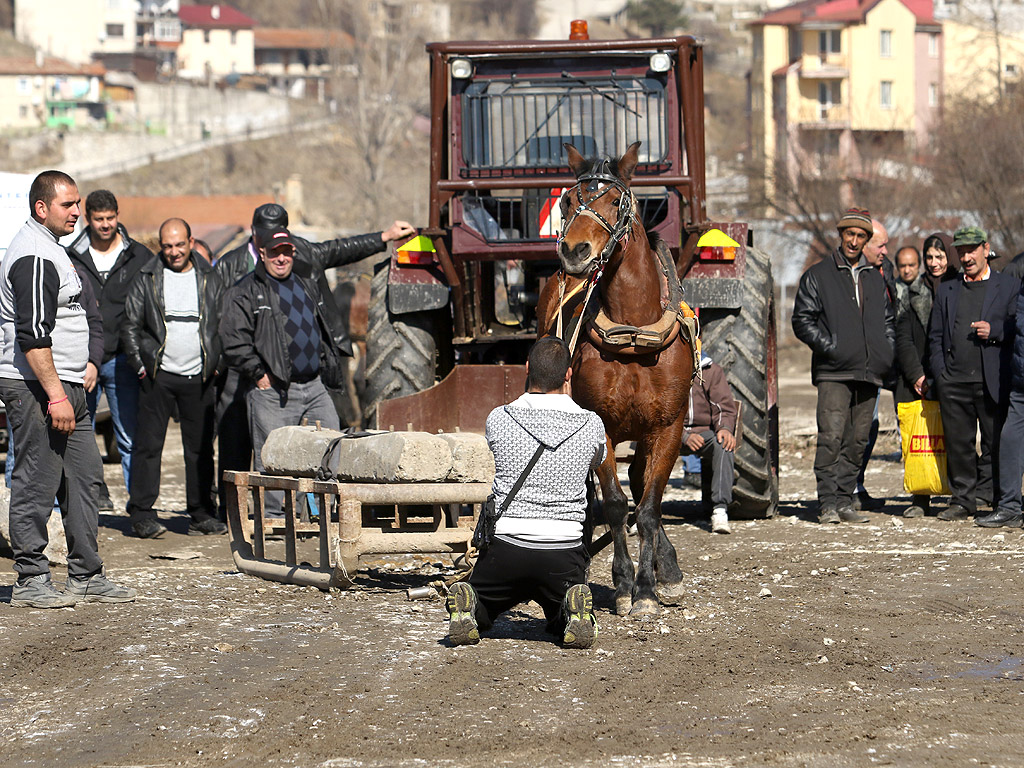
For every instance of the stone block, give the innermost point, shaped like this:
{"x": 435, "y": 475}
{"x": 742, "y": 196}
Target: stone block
{"x": 472, "y": 460}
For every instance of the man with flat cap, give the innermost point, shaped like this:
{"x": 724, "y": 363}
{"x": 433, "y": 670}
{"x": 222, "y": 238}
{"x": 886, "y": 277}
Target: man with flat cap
{"x": 233, "y": 444}
{"x": 843, "y": 314}
{"x": 970, "y": 339}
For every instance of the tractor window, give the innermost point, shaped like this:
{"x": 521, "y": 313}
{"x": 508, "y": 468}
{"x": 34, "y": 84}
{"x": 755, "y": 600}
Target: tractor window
{"x": 522, "y": 123}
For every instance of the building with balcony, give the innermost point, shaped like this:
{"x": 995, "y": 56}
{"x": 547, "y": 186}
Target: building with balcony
{"x": 835, "y": 85}
{"x": 44, "y": 91}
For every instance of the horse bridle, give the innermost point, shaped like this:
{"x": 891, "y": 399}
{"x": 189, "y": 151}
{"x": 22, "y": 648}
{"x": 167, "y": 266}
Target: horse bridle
{"x": 627, "y": 209}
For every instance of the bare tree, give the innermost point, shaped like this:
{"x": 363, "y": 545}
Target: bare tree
{"x": 380, "y": 83}
{"x": 979, "y": 167}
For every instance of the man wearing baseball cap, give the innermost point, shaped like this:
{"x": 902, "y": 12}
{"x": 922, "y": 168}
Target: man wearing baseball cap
{"x": 843, "y": 314}
{"x": 277, "y": 337}
{"x": 233, "y": 445}
{"x": 970, "y": 339}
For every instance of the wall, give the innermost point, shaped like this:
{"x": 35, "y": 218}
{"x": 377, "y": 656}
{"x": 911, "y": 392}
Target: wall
{"x": 929, "y": 71}
{"x": 868, "y": 69}
{"x": 969, "y": 59}
{"x": 221, "y": 54}
{"x": 74, "y": 29}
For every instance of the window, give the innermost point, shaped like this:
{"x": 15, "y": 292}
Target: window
{"x": 24, "y": 85}
{"x": 828, "y": 97}
{"x": 885, "y": 43}
{"x": 115, "y": 31}
{"x": 933, "y": 45}
{"x": 1010, "y": 70}
{"x": 829, "y": 41}
{"x": 933, "y": 94}
{"x": 206, "y": 36}
{"x": 23, "y": 111}
{"x": 885, "y": 95}
{"x": 234, "y": 36}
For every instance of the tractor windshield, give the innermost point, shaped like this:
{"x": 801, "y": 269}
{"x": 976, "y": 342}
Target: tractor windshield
{"x": 521, "y": 123}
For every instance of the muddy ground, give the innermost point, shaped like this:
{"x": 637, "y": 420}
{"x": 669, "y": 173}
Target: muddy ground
{"x": 891, "y": 643}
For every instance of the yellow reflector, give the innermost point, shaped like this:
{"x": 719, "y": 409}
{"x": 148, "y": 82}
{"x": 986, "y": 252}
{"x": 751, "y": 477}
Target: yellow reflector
{"x": 716, "y": 238}
{"x": 420, "y": 243}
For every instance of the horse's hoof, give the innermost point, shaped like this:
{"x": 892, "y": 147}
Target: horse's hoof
{"x": 623, "y": 605}
{"x": 671, "y": 594}
{"x": 644, "y": 608}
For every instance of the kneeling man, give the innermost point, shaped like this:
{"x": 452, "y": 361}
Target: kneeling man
{"x": 538, "y": 551}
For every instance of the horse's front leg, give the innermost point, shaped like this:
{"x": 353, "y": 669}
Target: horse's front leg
{"x": 657, "y": 558}
{"x": 616, "y": 509}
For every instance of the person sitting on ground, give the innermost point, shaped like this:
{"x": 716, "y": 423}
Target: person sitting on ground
{"x": 710, "y": 433}
{"x": 538, "y": 551}
{"x": 912, "y": 358}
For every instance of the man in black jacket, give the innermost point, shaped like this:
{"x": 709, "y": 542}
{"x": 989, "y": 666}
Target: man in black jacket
{"x": 109, "y": 259}
{"x": 170, "y": 339}
{"x": 233, "y": 443}
{"x": 970, "y": 340}
{"x": 842, "y": 313}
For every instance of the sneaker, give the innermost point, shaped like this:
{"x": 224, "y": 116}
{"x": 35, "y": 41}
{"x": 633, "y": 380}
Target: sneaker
{"x": 850, "y": 515}
{"x": 827, "y": 514}
{"x": 149, "y": 529}
{"x": 208, "y": 526}
{"x": 39, "y": 592}
{"x": 580, "y": 622}
{"x": 99, "y": 589}
{"x": 461, "y": 605}
{"x": 720, "y": 521}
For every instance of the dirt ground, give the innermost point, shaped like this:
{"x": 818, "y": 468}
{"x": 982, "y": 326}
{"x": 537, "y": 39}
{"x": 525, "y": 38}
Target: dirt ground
{"x": 891, "y": 643}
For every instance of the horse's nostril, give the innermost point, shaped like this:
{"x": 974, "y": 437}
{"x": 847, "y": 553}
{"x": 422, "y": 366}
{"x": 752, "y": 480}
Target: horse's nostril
{"x": 583, "y": 250}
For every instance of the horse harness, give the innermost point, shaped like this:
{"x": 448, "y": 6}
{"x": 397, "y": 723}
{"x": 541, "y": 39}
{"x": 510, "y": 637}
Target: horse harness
{"x": 602, "y": 332}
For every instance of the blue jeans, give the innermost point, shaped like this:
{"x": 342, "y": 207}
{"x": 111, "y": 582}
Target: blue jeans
{"x": 122, "y": 388}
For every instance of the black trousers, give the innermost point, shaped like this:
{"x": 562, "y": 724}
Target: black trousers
{"x": 234, "y": 445}
{"x": 844, "y": 423}
{"x": 195, "y": 414}
{"x": 967, "y": 409}
{"x": 506, "y": 575}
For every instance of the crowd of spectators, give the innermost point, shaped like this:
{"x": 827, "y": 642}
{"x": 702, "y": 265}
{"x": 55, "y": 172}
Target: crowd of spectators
{"x": 945, "y": 329}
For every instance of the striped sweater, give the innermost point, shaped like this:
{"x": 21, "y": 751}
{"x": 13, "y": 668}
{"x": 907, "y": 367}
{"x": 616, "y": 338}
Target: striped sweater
{"x": 40, "y": 306}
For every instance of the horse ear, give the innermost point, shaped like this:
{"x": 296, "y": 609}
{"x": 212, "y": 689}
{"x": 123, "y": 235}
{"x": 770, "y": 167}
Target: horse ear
{"x": 628, "y": 162}
{"x": 577, "y": 163}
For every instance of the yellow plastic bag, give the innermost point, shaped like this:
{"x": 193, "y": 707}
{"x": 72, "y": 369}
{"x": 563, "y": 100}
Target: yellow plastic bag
{"x": 924, "y": 448}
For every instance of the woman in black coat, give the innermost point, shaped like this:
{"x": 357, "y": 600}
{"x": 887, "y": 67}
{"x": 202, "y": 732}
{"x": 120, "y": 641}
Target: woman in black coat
{"x": 915, "y": 380}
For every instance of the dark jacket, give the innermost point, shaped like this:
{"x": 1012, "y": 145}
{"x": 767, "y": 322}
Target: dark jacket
{"x": 712, "y": 405}
{"x": 1017, "y": 362}
{"x": 999, "y": 310}
{"x": 145, "y": 328}
{"x": 252, "y": 328}
{"x": 237, "y": 263}
{"x": 912, "y": 357}
{"x": 843, "y": 314}
{"x": 95, "y": 319}
{"x": 112, "y": 292}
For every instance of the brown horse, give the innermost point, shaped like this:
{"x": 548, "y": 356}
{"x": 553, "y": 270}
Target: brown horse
{"x": 640, "y": 391}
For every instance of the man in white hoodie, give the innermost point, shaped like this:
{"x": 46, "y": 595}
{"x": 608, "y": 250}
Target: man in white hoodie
{"x": 538, "y": 551}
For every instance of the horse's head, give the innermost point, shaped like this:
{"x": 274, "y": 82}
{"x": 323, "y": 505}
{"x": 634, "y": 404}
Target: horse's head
{"x": 599, "y": 212}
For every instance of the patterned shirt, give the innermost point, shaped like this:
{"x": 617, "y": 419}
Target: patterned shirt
{"x": 301, "y": 326}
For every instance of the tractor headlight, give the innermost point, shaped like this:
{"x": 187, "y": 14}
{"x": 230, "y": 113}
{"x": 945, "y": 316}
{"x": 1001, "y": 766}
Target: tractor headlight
{"x": 462, "y": 69}
{"x": 661, "y": 62}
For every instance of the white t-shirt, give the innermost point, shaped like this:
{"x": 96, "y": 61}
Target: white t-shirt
{"x": 183, "y": 353}
{"x": 105, "y": 261}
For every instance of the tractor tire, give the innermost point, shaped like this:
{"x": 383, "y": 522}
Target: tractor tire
{"x": 401, "y": 350}
{"x": 743, "y": 343}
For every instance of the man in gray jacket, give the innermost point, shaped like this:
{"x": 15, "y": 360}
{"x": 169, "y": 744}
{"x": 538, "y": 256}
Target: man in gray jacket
{"x": 538, "y": 551}
{"x": 42, "y": 368}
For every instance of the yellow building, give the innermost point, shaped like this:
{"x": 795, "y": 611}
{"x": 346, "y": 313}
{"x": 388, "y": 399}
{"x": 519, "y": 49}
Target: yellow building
{"x": 216, "y": 40}
{"x": 44, "y": 91}
{"x": 836, "y": 84}
{"x": 975, "y": 65}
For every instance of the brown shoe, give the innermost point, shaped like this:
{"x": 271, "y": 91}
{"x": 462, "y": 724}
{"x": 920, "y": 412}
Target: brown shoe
{"x": 850, "y": 515}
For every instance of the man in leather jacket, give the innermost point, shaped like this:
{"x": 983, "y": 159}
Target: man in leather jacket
{"x": 170, "y": 339}
{"x": 842, "y": 313}
{"x": 109, "y": 259}
{"x": 233, "y": 443}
